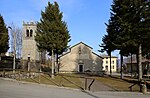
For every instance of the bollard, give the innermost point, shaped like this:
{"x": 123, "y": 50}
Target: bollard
{"x": 143, "y": 88}
{"x": 85, "y": 86}
{"x": 3, "y": 73}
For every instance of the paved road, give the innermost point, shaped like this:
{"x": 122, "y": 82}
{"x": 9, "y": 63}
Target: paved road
{"x": 14, "y": 89}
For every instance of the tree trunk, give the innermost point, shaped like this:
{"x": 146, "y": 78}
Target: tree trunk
{"x": 148, "y": 68}
{"x": 57, "y": 62}
{"x": 137, "y": 60}
{"x": 121, "y": 62}
{"x": 0, "y": 56}
{"x": 52, "y": 64}
{"x": 140, "y": 62}
{"x": 110, "y": 64}
{"x": 40, "y": 53}
{"x": 131, "y": 66}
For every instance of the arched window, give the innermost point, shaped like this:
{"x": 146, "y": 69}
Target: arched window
{"x": 27, "y": 33}
{"x": 31, "y": 33}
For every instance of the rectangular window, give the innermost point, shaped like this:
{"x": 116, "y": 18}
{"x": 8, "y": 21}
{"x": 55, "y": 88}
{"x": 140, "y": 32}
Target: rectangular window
{"x": 106, "y": 62}
{"x": 112, "y": 62}
{"x": 27, "y": 33}
{"x": 113, "y": 67}
{"x": 106, "y": 67}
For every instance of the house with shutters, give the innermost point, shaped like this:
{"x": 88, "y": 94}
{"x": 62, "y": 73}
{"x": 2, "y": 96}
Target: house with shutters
{"x": 79, "y": 59}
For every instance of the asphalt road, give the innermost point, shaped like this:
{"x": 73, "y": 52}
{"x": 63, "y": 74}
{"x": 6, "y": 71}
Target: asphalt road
{"x": 14, "y": 89}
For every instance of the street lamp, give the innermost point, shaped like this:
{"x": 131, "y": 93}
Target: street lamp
{"x": 14, "y": 53}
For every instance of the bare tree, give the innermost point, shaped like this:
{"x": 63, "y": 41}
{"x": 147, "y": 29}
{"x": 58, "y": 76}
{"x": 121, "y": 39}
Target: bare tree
{"x": 18, "y": 31}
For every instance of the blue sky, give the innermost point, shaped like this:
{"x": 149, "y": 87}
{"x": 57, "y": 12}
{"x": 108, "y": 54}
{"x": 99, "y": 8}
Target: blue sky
{"x": 85, "y": 18}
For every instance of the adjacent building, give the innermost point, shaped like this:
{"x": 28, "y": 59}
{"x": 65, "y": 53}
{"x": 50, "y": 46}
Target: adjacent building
{"x": 80, "y": 58}
{"x": 131, "y": 65}
{"x": 106, "y": 63}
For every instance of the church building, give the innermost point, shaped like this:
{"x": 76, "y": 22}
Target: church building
{"x": 80, "y": 59}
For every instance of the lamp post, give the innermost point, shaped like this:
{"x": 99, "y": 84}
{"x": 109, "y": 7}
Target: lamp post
{"x": 14, "y": 53}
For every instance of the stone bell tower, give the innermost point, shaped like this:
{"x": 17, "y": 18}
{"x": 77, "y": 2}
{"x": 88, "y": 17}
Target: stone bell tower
{"x": 29, "y": 48}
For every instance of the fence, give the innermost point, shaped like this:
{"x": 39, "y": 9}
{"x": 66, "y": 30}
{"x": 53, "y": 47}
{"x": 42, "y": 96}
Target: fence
{"x": 39, "y": 77}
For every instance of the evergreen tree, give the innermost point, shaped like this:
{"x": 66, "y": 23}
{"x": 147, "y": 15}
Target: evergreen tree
{"x": 145, "y": 26}
{"x": 128, "y": 27}
{"x": 52, "y": 33}
{"x": 4, "y": 38}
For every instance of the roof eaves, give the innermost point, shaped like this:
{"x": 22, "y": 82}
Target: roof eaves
{"x": 97, "y": 55}
{"x": 82, "y": 43}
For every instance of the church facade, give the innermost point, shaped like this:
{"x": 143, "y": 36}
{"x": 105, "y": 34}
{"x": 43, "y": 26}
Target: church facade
{"x": 80, "y": 59}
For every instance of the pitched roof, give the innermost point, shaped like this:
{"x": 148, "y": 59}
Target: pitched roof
{"x": 85, "y": 45}
{"x": 107, "y": 56}
{"x": 143, "y": 61}
{"x": 81, "y": 43}
{"x": 97, "y": 55}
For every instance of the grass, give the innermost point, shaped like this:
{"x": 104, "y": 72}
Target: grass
{"x": 117, "y": 84}
{"x": 58, "y": 80}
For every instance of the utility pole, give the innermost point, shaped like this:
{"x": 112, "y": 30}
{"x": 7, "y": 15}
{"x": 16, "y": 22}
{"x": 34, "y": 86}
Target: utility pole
{"x": 14, "y": 53}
